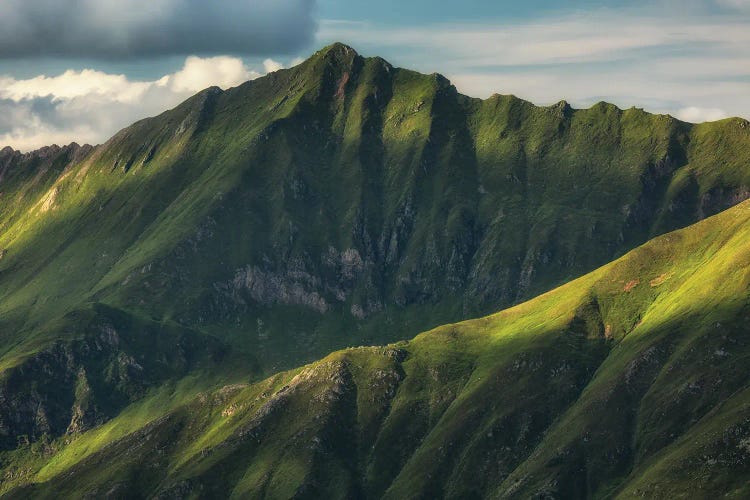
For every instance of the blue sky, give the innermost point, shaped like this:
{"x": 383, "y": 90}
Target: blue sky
{"x": 125, "y": 59}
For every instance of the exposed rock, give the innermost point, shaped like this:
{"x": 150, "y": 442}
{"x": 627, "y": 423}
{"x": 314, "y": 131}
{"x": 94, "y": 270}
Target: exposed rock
{"x": 292, "y": 288}
{"x": 72, "y": 386}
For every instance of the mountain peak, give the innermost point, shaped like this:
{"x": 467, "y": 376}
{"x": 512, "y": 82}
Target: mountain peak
{"x": 563, "y": 108}
{"x": 338, "y": 49}
{"x": 338, "y": 54}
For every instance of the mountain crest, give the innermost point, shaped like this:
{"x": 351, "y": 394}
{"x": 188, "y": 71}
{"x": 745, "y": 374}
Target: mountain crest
{"x": 338, "y": 50}
{"x": 345, "y": 202}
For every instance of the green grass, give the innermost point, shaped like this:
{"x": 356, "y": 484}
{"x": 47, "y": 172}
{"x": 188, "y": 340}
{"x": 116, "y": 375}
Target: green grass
{"x": 583, "y": 391}
{"x": 400, "y": 205}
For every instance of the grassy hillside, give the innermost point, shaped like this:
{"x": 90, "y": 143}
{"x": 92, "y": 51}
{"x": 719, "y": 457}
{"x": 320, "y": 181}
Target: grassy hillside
{"x": 341, "y": 202}
{"x": 631, "y": 380}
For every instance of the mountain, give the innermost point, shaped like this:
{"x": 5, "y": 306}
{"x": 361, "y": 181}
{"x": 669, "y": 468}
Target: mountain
{"x": 629, "y": 381}
{"x": 341, "y": 202}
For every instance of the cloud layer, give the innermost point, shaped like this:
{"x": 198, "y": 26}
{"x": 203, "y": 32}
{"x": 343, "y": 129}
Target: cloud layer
{"x": 690, "y": 64}
{"x": 90, "y": 106}
{"x": 151, "y": 28}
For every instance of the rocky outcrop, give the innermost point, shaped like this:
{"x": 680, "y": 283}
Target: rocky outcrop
{"x": 318, "y": 284}
{"x": 294, "y": 287}
{"x": 71, "y": 386}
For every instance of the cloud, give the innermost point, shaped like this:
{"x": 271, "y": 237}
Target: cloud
{"x": 151, "y": 28}
{"x": 199, "y": 73}
{"x": 72, "y": 84}
{"x": 699, "y": 115}
{"x": 628, "y": 56}
{"x": 735, "y": 4}
{"x": 270, "y": 65}
{"x": 90, "y": 106}
{"x": 603, "y": 37}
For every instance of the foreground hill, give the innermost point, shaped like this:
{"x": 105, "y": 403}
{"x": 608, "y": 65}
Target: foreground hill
{"x": 632, "y": 380}
{"x": 341, "y": 202}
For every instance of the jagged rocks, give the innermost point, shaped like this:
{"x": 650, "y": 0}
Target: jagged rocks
{"x": 72, "y": 386}
{"x": 295, "y": 287}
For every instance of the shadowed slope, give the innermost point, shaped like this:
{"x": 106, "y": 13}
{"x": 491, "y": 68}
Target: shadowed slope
{"x": 629, "y": 380}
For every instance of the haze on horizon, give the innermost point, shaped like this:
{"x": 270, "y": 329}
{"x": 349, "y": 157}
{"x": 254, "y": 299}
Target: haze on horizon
{"x": 79, "y": 70}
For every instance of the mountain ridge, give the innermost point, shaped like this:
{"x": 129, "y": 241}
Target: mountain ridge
{"x": 137, "y": 148}
{"x": 339, "y": 47}
{"x": 340, "y": 202}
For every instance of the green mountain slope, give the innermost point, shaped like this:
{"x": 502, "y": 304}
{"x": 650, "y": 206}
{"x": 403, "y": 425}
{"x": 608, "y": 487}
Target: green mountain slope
{"x": 341, "y": 202}
{"x": 631, "y": 380}
{"x": 346, "y": 185}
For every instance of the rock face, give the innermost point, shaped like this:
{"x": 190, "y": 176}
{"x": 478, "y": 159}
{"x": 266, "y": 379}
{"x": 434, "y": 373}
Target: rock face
{"x": 304, "y": 282}
{"x": 75, "y": 385}
{"x": 37, "y": 163}
{"x": 295, "y": 287}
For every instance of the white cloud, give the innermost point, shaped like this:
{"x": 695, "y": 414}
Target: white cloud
{"x": 699, "y": 115}
{"x": 629, "y": 56}
{"x": 572, "y": 39}
{"x": 199, "y": 73}
{"x": 72, "y": 84}
{"x": 270, "y": 65}
{"x": 90, "y": 106}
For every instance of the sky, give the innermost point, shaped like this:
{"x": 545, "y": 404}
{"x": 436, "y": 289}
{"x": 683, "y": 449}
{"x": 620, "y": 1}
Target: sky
{"x": 79, "y": 70}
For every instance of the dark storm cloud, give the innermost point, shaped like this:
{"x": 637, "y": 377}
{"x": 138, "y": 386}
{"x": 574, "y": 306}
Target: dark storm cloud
{"x": 144, "y": 28}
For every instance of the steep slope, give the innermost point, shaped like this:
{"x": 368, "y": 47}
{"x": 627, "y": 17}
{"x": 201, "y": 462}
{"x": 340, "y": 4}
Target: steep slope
{"x": 631, "y": 380}
{"x": 341, "y": 202}
{"x": 28, "y": 177}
